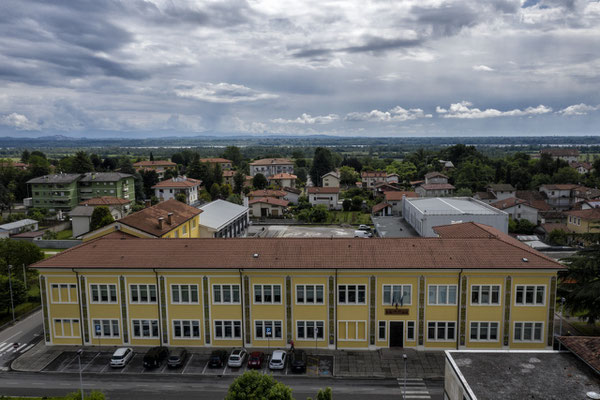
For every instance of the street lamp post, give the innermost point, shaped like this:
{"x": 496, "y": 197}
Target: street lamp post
{"x": 79, "y": 353}
{"x": 12, "y": 303}
{"x": 562, "y": 312}
{"x": 24, "y": 277}
{"x": 405, "y": 357}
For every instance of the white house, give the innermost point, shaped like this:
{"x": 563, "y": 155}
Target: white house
{"x": 395, "y": 198}
{"x": 328, "y": 196}
{"x": 169, "y": 189}
{"x": 517, "y": 209}
{"x": 267, "y": 207}
{"x": 436, "y": 185}
{"x": 331, "y": 179}
{"x": 283, "y": 180}
{"x": 24, "y": 225}
{"x": 560, "y": 196}
{"x": 292, "y": 195}
{"x": 271, "y": 166}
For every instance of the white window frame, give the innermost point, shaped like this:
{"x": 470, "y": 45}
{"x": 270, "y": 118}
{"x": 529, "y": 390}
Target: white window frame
{"x": 315, "y": 326}
{"x": 437, "y": 295}
{"x": 522, "y": 329}
{"x": 176, "y": 287}
{"x": 535, "y": 289}
{"x": 139, "y": 300}
{"x": 489, "y": 330}
{"x": 262, "y": 293}
{"x": 60, "y": 300}
{"x": 98, "y": 285}
{"x": 224, "y": 322}
{"x": 221, "y": 291}
{"x": 184, "y": 229}
{"x": 141, "y": 323}
{"x": 74, "y": 333}
{"x": 262, "y": 324}
{"x": 480, "y": 303}
{"x": 437, "y": 323}
{"x": 391, "y": 286}
{"x": 314, "y": 294}
{"x": 356, "y": 330}
{"x": 111, "y": 326}
{"x": 414, "y": 334}
{"x": 382, "y": 324}
{"x": 181, "y": 323}
{"x": 345, "y": 289}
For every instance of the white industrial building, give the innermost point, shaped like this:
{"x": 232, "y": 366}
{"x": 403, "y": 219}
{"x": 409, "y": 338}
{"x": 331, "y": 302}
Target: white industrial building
{"x": 423, "y": 214}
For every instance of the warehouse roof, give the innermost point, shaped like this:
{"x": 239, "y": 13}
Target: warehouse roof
{"x": 452, "y": 206}
{"x": 219, "y": 213}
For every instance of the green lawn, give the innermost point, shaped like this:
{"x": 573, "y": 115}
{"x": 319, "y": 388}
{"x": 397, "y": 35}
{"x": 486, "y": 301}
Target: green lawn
{"x": 66, "y": 234}
{"x": 349, "y": 217}
{"x": 587, "y": 329}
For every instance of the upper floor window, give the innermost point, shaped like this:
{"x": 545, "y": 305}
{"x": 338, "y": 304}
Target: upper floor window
{"x": 352, "y": 294}
{"x": 397, "y": 294}
{"x": 64, "y": 292}
{"x": 267, "y": 293}
{"x": 226, "y": 294}
{"x": 309, "y": 294}
{"x": 143, "y": 293}
{"x": 104, "y": 293}
{"x": 184, "y": 293}
{"x": 485, "y": 294}
{"x": 530, "y": 295}
{"x": 442, "y": 294}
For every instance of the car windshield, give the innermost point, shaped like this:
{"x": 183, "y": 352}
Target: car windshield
{"x": 234, "y": 358}
{"x": 174, "y": 358}
{"x": 117, "y": 357}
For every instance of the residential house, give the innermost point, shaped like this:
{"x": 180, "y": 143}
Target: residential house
{"x": 13, "y": 228}
{"x": 282, "y": 180}
{"x": 517, "y": 209}
{"x": 223, "y": 219}
{"x": 271, "y": 166}
{"x": 331, "y": 179}
{"x": 228, "y": 179}
{"x": 170, "y": 188}
{"x": 224, "y": 163}
{"x": 446, "y": 165}
{"x": 119, "y": 208}
{"x": 392, "y": 179}
{"x": 167, "y": 219}
{"x": 341, "y": 293}
{"x": 160, "y": 166}
{"x": 81, "y": 220}
{"x": 268, "y": 207}
{"x": 583, "y": 193}
{"x": 395, "y": 199}
{"x": 587, "y": 204}
{"x": 568, "y": 154}
{"x": 381, "y": 187}
{"x": 12, "y": 164}
{"x": 292, "y": 195}
{"x": 56, "y": 192}
{"x": 584, "y": 221}
{"x": 559, "y": 196}
{"x": 369, "y": 179}
{"x": 328, "y": 196}
{"x": 436, "y": 185}
{"x": 582, "y": 167}
{"x": 496, "y": 192}
{"x": 113, "y": 184}
{"x": 255, "y": 194}
{"x": 382, "y": 209}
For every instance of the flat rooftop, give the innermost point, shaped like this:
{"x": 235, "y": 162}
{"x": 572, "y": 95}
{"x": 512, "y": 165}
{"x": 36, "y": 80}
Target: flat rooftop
{"x": 393, "y": 227}
{"x": 525, "y": 375}
{"x": 452, "y": 206}
{"x": 219, "y": 213}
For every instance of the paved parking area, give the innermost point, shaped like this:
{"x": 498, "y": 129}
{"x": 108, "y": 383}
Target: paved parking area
{"x": 300, "y": 231}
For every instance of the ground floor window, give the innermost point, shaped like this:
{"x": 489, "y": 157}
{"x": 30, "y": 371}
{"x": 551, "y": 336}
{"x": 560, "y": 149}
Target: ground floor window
{"x": 66, "y": 328}
{"x": 145, "y": 328}
{"x": 106, "y": 328}
{"x": 410, "y": 330}
{"x": 484, "y": 331}
{"x": 228, "y": 329}
{"x": 441, "y": 330}
{"x": 352, "y": 330}
{"x": 382, "y": 327}
{"x": 262, "y": 329}
{"x": 528, "y": 331}
{"x": 309, "y": 330}
{"x": 186, "y": 329}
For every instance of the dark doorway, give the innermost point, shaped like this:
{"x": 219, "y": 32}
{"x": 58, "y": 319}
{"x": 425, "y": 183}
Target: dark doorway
{"x": 264, "y": 212}
{"x": 396, "y": 334}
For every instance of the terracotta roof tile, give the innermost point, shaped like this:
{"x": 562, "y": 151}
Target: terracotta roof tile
{"x": 160, "y": 163}
{"x": 147, "y": 219}
{"x": 591, "y": 214}
{"x": 562, "y": 186}
{"x": 373, "y": 174}
{"x": 324, "y": 190}
{"x": 587, "y": 348}
{"x": 104, "y": 201}
{"x": 379, "y": 207}
{"x": 437, "y": 186}
{"x": 179, "y": 182}
{"x": 270, "y": 200}
{"x": 395, "y": 196}
{"x": 507, "y": 203}
{"x": 266, "y": 193}
{"x": 435, "y": 174}
{"x": 282, "y": 175}
{"x": 273, "y": 161}
{"x": 215, "y": 160}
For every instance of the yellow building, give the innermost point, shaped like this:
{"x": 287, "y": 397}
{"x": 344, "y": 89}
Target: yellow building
{"x": 584, "y": 221}
{"x": 473, "y": 287}
{"x": 167, "y": 219}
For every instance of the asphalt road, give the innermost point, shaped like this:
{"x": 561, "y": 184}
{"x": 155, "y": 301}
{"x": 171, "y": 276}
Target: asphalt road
{"x": 25, "y": 333}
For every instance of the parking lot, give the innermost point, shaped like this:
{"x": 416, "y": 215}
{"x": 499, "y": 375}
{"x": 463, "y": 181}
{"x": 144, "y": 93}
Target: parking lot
{"x": 194, "y": 364}
{"x": 300, "y": 231}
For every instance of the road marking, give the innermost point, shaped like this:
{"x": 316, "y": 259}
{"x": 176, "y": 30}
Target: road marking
{"x": 92, "y": 360}
{"x": 103, "y": 369}
{"x": 16, "y": 334}
{"x": 188, "y": 363}
{"x": 26, "y": 349}
{"x": 5, "y": 346}
{"x": 21, "y": 347}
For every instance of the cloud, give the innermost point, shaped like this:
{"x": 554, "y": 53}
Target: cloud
{"x": 220, "y": 92}
{"x": 396, "y": 114}
{"x": 307, "y": 119}
{"x": 19, "y": 121}
{"x": 464, "y": 110}
{"x": 578, "y": 109}
{"x": 483, "y": 68}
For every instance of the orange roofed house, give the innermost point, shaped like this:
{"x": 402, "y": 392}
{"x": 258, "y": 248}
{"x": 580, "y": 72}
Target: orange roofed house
{"x": 170, "y": 188}
{"x": 159, "y": 166}
{"x": 271, "y": 166}
{"x": 224, "y": 163}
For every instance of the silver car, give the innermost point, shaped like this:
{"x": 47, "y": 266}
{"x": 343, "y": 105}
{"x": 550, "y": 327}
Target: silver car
{"x": 236, "y": 358}
{"x": 121, "y": 357}
{"x": 278, "y": 360}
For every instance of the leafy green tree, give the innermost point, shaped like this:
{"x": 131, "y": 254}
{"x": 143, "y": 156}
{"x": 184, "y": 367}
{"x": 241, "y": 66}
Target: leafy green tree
{"x": 566, "y": 175}
{"x": 581, "y": 283}
{"x": 126, "y": 166}
{"x": 154, "y": 200}
{"x": 347, "y": 205}
{"x": 348, "y": 175}
{"x": 235, "y": 198}
{"x": 38, "y": 166}
{"x": 96, "y": 162}
{"x": 81, "y": 163}
{"x": 558, "y": 237}
{"x": 325, "y": 394}
{"x": 149, "y": 179}
{"x": 25, "y": 156}
{"x": 151, "y": 156}
{"x": 17, "y": 253}
{"x": 538, "y": 180}
{"x": 225, "y": 191}
{"x": 204, "y": 196}
{"x": 215, "y": 191}
{"x": 94, "y": 395}
{"x": 357, "y": 203}
{"x": 177, "y": 158}
{"x": 259, "y": 181}
{"x": 38, "y": 153}
{"x": 463, "y": 192}
{"x": 234, "y": 154}
{"x": 110, "y": 164}
{"x": 352, "y": 162}
{"x": 181, "y": 197}
{"x": 101, "y": 216}
{"x": 170, "y": 173}
{"x": 238, "y": 182}
{"x": 473, "y": 175}
{"x": 253, "y": 385}
{"x": 322, "y": 163}
{"x": 319, "y": 213}
{"x": 217, "y": 174}
{"x": 405, "y": 169}
{"x": 18, "y": 289}
{"x": 50, "y": 235}
{"x": 301, "y": 176}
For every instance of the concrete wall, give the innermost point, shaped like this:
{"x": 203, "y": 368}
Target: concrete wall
{"x": 57, "y": 244}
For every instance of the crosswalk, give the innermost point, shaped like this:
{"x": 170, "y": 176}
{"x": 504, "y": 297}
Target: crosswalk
{"x": 415, "y": 388}
{"x": 8, "y": 348}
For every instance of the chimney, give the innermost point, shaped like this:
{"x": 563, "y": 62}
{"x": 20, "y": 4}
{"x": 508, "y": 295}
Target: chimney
{"x": 148, "y": 203}
{"x": 161, "y": 220}
{"x": 170, "y": 218}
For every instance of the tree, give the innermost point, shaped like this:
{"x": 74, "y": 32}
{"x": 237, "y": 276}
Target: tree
{"x": 101, "y": 216}
{"x": 149, "y": 179}
{"x": 81, "y": 163}
{"x": 325, "y": 394}
{"x": 110, "y": 164}
{"x": 348, "y": 176}
{"x": 356, "y": 204}
{"x": 170, "y": 173}
{"x": 215, "y": 191}
{"x": 582, "y": 291}
{"x": 126, "y": 166}
{"x": 322, "y": 163}
{"x": 38, "y": 166}
{"x": 558, "y": 237}
{"x": 17, "y": 253}
{"x": 217, "y": 174}
{"x": 319, "y": 213}
{"x": 96, "y": 162}
{"x": 151, "y": 156}
{"x": 301, "y": 176}
{"x": 259, "y": 181}
{"x": 18, "y": 289}
{"x": 234, "y": 154}
{"x": 181, "y": 197}
{"x": 235, "y": 198}
{"x": 238, "y": 182}
{"x": 474, "y": 175}
{"x": 353, "y": 162}
{"x": 225, "y": 191}
{"x": 566, "y": 175}
{"x": 405, "y": 169}
{"x": 253, "y": 385}
{"x": 347, "y": 205}
{"x": 25, "y": 156}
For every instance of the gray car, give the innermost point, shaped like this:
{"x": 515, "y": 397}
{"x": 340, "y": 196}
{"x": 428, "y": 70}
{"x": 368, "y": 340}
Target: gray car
{"x": 237, "y": 358}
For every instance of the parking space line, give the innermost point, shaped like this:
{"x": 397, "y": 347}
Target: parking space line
{"x": 69, "y": 363}
{"x": 224, "y": 369}
{"x": 188, "y": 363}
{"x": 91, "y": 361}
{"x": 103, "y": 369}
{"x": 164, "y": 367}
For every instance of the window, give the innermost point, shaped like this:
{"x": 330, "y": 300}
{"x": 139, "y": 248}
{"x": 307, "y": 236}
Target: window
{"x": 145, "y": 328}
{"x": 530, "y": 295}
{"x": 410, "y": 330}
{"x": 226, "y": 294}
{"x": 186, "y": 329}
{"x": 441, "y": 331}
{"x": 194, "y": 223}
{"x": 306, "y": 330}
{"x": 66, "y": 328}
{"x": 267, "y": 293}
{"x": 64, "y": 292}
{"x": 381, "y": 329}
{"x": 352, "y": 330}
{"x": 442, "y": 294}
{"x": 352, "y": 294}
{"x": 528, "y": 331}
{"x": 261, "y": 327}
{"x": 484, "y": 331}
{"x": 228, "y": 329}
{"x": 184, "y": 230}
{"x": 143, "y": 293}
{"x": 397, "y": 294}
{"x": 485, "y": 294}
{"x": 184, "y": 294}
{"x": 309, "y": 294}
{"x": 104, "y": 293}
{"x": 109, "y": 328}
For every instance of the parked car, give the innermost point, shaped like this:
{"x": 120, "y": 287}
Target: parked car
{"x": 298, "y": 361}
{"x": 278, "y": 360}
{"x": 155, "y": 356}
{"x": 237, "y": 358}
{"x": 177, "y": 357}
{"x": 362, "y": 234}
{"x": 256, "y": 359}
{"x": 217, "y": 358}
{"x": 121, "y": 357}
{"x": 364, "y": 228}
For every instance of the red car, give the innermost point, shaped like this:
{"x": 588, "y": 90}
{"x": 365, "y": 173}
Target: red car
{"x": 256, "y": 359}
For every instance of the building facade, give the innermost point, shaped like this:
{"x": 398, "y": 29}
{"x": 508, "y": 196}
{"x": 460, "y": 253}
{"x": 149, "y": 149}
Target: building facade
{"x": 327, "y": 196}
{"x": 57, "y": 192}
{"x": 112, "y": 184}
{"x": 170, "y": 188}
{"x": 271, "y": 166}
{"x": 226, "y": 292}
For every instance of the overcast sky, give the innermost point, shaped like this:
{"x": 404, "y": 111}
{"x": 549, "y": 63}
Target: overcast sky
{"x": 351, "y": 68}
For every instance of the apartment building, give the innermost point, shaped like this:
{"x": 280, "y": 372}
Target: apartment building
{"x": 56, "y": 192}
{"x": 271, "y": 166}
{"x": 113, "y": 184}
{"x": 170, "y": 188}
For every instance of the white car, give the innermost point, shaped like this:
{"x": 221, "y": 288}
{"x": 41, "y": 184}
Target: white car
{"x": 364, "y": 227}
{"x": 278, "y": 360}
{"x": 362, "y": 234}
{"x": 121, "y": 357}
{"x": 236, "y": 358}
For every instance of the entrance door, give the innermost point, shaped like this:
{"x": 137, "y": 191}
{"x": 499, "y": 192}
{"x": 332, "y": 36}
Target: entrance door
{"x": 396, "y": 334}
{"x": 264, "y": 212}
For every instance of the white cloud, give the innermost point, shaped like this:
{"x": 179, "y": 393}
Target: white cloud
{"x": 396, "y": 114}
{"x": 220, "y": 92}
{"x": 483, "y": 68}
{"x": 464, "y": 110}
{"x": 307, "y": 119}
{"x": 578, "y": 109}
{"x": 19, "y": 121}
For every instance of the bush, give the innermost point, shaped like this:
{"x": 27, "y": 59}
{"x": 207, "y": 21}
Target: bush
{"x": 356, "y": 204}
{"x": 347, "y": 204}
{"x": 254, "y": 385}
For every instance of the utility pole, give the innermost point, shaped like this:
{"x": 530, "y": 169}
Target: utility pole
{"x": 12, "y": 303}
{"x": 562, "y": 312}
{"x": 79, "y": 353}
{"x": 405, "y": 357}
{"x": 24, "y": 277}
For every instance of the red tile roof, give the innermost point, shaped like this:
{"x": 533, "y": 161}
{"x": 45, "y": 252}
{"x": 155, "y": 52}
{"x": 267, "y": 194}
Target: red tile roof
{"x": 562, "y": 186}
{"x": 587, "y": 348}
{"x": 508, "y": 203}
{"x": 266, "y": 193}
{"x": 324, "y": 190}
{"x": 179, "y": 182}
{"x": 549, "y": 227}
{"x": 229, "y": 172}
{"x": 282, "y": 175}
{"x": 489, "y": 252}
{"x": 270, "y": 200}
{"x": 591, "y": 214}
{"x": 379, "y": 207}
{"x": 104, "y": 201}
{"x": 395, "y": 196}
{"x": 435, "y": 174}
{"x": 373, "y": 174}
{"x": 160, "y": 163}
{"x": 215, "y": 160}
{"x": 273, "y": 161}
{"x": 437, "y": 186}
{"x": 146, "y": 220}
